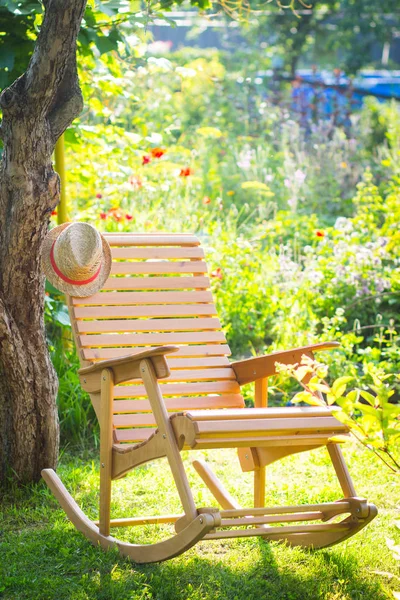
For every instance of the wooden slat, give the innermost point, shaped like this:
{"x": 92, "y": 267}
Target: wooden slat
{"x": 189, "y": 351}
{"x": 133, "y": 435}
{"x": 158, "y": 267}
{"x": 278, "y": 531}
{"x": 165, "y": 310}
{"x": 119, "y": 298}
{"x": 249, "y": 521}
{"x": 260, "y": 413}
{"x": 201, "y": 375}
{"x": 142, "y": 339}
{"x": 260, "y": 426}
{"x": 119, "y": 325}
{"x": 339, "y": 507}
{"x": 309, "y": 440}
{"x": 134, "y": 420}
{"x": 148, "y": 239}
{"x": 179, "y": 389}
{"x": 198, "y": 363}
{"x": 161, "y": 253}
{"x": 155, "y": 283}
{"x": 182, "y": 403}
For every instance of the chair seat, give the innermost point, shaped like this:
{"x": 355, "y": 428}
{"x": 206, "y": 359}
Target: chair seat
{"x": 312, "y": 426}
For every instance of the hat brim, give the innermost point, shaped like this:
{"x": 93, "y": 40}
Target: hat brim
{"x": 80, "y": 291}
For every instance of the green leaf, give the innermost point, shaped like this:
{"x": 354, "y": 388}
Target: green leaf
{"x": 340, "y": 384}
{"x": 319, "y": 387}
{"x": 62, "y": 317}
{"x": 308, "y": 399}
{"x": 105, "y": 44}
{"x": 368, "y": 397}
{"x": 49, "y": 287}
{"x": 369, "y": 410}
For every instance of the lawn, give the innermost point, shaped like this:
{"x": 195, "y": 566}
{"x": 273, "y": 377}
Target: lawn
{"x": 45, "y": 558}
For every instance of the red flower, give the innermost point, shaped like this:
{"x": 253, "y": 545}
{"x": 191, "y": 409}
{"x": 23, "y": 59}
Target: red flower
{"x": 103, "y": 216}
{"x": 217, "y": 273}
{"x": 320, "y": 233}
{"x": 99, "y": 195}
{"x": 54, "y": 213}
{"x": 206, "y": 200}
{"x": 128, "y": 217}
{"x": 157, "y": 152}
{"x": 146, "y": 159}
{"x": 186, "y": 172}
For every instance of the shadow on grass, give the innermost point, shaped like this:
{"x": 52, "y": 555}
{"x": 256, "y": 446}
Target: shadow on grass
{"x": 51, "y": 561}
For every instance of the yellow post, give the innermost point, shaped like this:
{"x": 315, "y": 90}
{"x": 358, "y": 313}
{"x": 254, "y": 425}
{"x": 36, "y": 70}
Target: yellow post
{"x": 62, "y": 216}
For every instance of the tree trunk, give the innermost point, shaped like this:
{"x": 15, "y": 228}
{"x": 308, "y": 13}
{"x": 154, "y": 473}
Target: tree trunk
{"x": 37, "y": 108}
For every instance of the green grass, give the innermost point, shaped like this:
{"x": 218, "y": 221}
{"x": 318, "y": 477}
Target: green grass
{"x": 44, "y": 558}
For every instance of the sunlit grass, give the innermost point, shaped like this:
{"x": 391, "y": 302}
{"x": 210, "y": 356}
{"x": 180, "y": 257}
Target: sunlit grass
{"x": 45, "y": 558}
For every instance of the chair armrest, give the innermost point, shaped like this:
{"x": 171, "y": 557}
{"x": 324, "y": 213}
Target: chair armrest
{"x": 125, "y": 368}
{"x": 250, "y": 369}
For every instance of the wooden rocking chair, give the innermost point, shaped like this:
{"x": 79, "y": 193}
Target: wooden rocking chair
{"x": 158, "y": 294}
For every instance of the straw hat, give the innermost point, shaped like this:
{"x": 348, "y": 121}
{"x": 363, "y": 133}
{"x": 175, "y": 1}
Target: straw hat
{"x": 76, "y": 259}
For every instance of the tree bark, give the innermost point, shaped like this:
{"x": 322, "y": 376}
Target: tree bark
{"x": 37, "y": 108}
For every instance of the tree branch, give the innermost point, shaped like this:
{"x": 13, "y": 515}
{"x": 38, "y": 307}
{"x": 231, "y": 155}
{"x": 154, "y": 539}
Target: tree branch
{"x": 55, "y": 46}
{"x": 68, "y": 102}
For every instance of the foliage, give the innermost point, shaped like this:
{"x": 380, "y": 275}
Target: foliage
{"x": 373, "y": 419}
{"x": 302, "y": 246}
{"x": 322, "y": 29}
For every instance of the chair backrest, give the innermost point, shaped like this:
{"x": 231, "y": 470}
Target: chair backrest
{"x": 157, "y": 293}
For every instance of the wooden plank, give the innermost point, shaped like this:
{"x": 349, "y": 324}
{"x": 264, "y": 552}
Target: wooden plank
{"x": 198, "y": 363}
{"x": 158, "y": 267}
{"x": 278, "y": 531}
{"x": 182, "y": 403}
{"x": 200, "y": 375}
{"x": 134, "y": 420}
{"x": 251, "y": 369}
{"x": 132, "y": 521}
{"x": 124, "y": 298}
{"x": 133, "y": 435}
{"x": 244, "y": 427}
{"x": 148, "y": 239}
{"x": 164, "y": 310}
{"x": 152, "y": 339}
{"x": 340, "y": 507}
{"x": 154, "y": 253}
{"x": 178, "y": 389}
{"x": 260, "y": 413}
{"x": 249, "y": 521}
{"x": 188, "y": 351}
{"x": 121, "y": 325}
{"x": 271, "y": 441}
{"x": 156, "y": 283}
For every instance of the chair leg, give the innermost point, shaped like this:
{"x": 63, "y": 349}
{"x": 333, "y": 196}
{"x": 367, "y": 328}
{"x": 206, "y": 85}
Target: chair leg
{"x": 106, "y": 416}
{"x": 259, "y": 487}
{"x": 171, "y": 447}
{"x": 222, "y": 495}
{"x": 260, "y": 401}
{"x": 342, "y": 472}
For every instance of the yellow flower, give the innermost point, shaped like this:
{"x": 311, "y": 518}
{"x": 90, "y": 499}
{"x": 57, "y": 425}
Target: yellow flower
{"x": 386, "y": 163}
{"x": 343, "y": 165}
{"x": 230, "y": 193}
